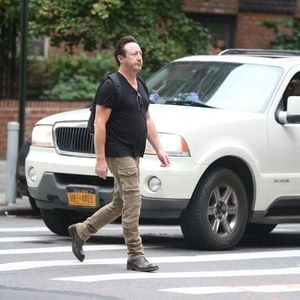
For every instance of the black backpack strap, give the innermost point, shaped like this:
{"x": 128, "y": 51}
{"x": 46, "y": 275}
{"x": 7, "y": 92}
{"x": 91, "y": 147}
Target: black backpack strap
{"x": 117, "y": 85}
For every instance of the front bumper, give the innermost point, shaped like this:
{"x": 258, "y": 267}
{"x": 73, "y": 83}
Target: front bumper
{"x": 52, "y": 194}
{"x": 50, "y": 187}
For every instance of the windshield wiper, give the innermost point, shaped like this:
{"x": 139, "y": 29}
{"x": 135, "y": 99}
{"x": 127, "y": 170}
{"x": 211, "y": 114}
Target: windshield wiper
{"x": 188, "y": 103}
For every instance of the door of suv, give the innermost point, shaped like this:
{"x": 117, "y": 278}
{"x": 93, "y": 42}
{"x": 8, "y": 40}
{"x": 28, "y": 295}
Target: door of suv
{"x": 284, "y": 150}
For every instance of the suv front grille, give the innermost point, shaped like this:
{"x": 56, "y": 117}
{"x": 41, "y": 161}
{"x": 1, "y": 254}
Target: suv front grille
{"x": 74, "y": 138}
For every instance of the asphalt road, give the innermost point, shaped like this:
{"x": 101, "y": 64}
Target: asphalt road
{"x": 37, "y": 264}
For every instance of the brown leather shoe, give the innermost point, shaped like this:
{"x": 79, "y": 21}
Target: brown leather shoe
{"x": 140, "y": 264}
{"x": 77, "y": 243}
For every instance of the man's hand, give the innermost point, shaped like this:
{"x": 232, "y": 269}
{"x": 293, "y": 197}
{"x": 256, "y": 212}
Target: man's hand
{"x": 164, "y": 158}
{"x": 101, "y": 168}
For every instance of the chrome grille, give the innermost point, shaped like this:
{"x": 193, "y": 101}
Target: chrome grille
{"x": 74, "y": 138}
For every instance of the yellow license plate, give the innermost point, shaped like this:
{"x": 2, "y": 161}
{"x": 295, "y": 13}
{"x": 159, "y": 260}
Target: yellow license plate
{"x": 78, "y": 197}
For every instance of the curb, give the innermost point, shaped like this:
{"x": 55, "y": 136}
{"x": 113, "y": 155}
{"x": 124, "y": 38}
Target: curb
{"x": 22, "y": 205}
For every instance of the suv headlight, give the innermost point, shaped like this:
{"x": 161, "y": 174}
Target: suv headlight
{"x": 42, "y": 136}
{"x": 174, "y": 145}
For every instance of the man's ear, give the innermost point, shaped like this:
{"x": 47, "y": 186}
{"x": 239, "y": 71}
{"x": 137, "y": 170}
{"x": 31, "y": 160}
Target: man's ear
{"x": 120, "y": 58}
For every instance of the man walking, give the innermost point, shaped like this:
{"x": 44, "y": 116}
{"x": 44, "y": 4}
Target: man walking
{"x": 120, "y": 131}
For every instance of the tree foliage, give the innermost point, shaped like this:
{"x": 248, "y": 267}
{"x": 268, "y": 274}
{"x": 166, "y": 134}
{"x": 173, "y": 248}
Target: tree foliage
{"x": 286, "y": 33}
{"x": 10, "y": 9}
{"x": 68, "y": 78}
{"x": 161, "y": 27}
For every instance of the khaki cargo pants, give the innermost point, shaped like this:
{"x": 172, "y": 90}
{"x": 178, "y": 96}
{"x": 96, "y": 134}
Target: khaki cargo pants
{"x": 126, "y": 202}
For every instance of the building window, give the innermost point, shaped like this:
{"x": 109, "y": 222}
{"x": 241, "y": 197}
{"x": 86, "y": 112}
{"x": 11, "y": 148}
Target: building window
{"x": 220, "y": 27}
{"x": 38, "y": 48}
{"x": 269, "y": 6}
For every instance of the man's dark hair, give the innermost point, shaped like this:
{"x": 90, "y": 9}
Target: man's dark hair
{"x": 119, "y": 50}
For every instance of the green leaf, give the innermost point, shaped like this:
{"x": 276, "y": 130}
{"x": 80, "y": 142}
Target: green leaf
{"x": 161, "y": 27}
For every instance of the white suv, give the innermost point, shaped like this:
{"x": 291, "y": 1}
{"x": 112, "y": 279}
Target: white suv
{"x": 231, "y": 125}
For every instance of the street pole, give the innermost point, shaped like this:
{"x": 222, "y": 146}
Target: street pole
{"x": 11, "y": 162}
{"x": 23, "y": 64}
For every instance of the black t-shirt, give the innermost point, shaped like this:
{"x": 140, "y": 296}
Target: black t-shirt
{"x": 126, "y": 129}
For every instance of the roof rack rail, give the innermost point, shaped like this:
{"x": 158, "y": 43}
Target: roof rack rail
{"x": 261, "y": 52}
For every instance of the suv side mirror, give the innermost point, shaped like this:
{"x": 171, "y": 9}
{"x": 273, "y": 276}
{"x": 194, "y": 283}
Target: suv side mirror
{"x": 292, "y": 113}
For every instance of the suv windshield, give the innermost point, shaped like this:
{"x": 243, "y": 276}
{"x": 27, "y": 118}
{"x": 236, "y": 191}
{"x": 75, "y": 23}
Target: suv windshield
{"x": 234, "y": 86}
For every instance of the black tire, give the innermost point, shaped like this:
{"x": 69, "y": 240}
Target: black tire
{"x": 212, "y": 221}
{"x": 259, "y": 229}
{"x": 33, "y": 205}
{"x": 58, "y": 221}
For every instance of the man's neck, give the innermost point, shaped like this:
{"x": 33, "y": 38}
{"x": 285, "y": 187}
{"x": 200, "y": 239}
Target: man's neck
{"x": 130, "y": 77}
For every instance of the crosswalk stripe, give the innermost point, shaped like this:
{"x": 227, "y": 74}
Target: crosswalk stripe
{"x": 61, "y": 249}
{"x": 114, "y": 227}
{"x": 24, "y": 229}
{"x": 168, "y": 259}
{"x": 202, "y": 274}
{"x": 30, "y": 238}
{"x": 235, "y": 289}
{"x": 25, "y": 265}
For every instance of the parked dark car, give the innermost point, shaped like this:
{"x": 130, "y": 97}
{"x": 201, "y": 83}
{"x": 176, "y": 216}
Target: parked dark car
{"x": 21, "y": 183}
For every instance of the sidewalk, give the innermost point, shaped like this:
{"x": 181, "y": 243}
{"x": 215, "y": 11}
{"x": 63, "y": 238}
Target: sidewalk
{"x": 20, "y": 205}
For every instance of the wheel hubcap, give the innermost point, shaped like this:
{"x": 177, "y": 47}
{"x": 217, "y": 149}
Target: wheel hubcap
{"x": 223, "y": 209}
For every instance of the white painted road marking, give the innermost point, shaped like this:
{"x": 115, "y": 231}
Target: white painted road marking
{"x": 62, "y": 249}
{"x": 25, "y": 229}
{"x": 30, "y": 238}
{"x": 286, "y": 288}
{"x": 115, "y": 227}
{"x": 124, "y": 275}
{"x": 168, "y": 259}
{"x": 203, "y": 274}
{"x": 188, "y": 259}
{"x": 25, "y": 265}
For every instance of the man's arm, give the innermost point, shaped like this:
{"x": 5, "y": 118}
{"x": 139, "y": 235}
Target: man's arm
{"x": 101, "y": 118}
{"x": 153, "y": 138}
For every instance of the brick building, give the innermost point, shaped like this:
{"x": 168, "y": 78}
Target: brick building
{"x": 234, "y": 21}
